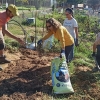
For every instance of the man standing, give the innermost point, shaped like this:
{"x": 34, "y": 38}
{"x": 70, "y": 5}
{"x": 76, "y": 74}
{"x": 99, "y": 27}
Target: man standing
{"x": 5, "y": 16}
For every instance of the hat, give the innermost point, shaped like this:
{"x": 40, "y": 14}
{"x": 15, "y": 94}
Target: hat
{"x": 13, "y": 9}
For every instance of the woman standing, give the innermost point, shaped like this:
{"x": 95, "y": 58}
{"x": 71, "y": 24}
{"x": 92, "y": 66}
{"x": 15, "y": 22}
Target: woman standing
{"x": 71, "y": 25}
{"x": 60, "y": 32}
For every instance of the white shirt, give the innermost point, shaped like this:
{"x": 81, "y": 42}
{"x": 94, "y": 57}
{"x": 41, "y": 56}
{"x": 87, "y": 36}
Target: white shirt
{"x": 70, "y": 25}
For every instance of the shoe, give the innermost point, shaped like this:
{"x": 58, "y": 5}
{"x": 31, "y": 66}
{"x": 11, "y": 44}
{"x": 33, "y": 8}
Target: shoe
{"x": 4, "y": 60}
{"x": 96, "y": 69}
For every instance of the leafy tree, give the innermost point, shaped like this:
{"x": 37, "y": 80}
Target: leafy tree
{"x": 61, "y": 1}
{"x": 74, "y": 2}
{"x": 23, "y": 1}
{"x": 39, "y": 3}
{"x": 71, "y": 2}
{"x": 93, "y": 3}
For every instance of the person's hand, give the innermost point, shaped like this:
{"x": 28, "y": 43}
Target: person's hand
{"x": 93, "y": 54}
{"x": 76, "y": 42}
{"x": 62, "y": 53}
{"x": 39, "y": 42}
{"x": 20, "y": 41}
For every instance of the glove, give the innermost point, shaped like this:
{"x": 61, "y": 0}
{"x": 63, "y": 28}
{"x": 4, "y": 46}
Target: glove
{"x": 62, "y": 52}
{"x": 76, "y": 43}
{"x": 93, "y": 54}
{"x": 39, "y": 42}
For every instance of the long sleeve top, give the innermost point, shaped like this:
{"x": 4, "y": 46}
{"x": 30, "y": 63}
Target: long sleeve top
{"x": 62, "y": 35}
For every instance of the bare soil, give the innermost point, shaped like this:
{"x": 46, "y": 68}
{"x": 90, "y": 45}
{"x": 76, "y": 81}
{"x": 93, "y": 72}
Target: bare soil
{"x": 28, "y": 77}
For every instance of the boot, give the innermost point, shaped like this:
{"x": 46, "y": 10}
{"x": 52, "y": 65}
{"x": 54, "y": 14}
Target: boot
{"x": 4, "y": 60}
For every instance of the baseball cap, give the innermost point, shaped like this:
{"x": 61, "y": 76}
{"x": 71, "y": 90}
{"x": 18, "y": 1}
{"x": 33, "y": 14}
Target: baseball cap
{"x": 13, "y": 9}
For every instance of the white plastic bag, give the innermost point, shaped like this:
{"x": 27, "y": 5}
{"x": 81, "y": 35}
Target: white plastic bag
{"x": 48, "y": 43}
{"x": 60, "y": 76}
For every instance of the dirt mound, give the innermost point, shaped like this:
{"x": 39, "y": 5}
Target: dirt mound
{"x": 29, "y": 75}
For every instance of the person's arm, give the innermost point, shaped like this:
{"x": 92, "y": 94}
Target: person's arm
{"x": 97, "y": 42}
{"x": 47, "y": 36}
{"x": 76, "y": 28}
{"x": 94, "y": 47}
{"x": 76, "y": 32}
{"x": 62, "y": 39}
{"x": 4, "y": 31}
{"x": 94, "y": 50}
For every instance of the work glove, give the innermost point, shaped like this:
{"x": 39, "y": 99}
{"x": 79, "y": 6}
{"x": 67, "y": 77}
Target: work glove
{"x": 93, "y": 54}
{"x": 62, "y": 53}
{"x": 76, "y": 42}
{"x": 39, "y": 42}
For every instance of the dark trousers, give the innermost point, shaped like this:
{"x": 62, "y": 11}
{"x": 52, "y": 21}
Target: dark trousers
{"x": 68, "y": 49}
{"x": 98, "y": 59}
{"x": 71, "y": 55}
{"x": 98, "y": 55}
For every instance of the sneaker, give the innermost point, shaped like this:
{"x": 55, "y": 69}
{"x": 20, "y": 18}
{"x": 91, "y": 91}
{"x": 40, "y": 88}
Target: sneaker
{"x": 96, "y": 69}
{"x": 4, "y": 60}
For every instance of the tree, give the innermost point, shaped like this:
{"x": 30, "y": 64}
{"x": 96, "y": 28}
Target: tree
{"x": 74, "y": 2}
{"x": 24, "y": 1}
{"x": 40, "y": 3}
{"x": 93, "y": 3}
{"x": 61, "y": 1}
{"x": 71, "y": 2}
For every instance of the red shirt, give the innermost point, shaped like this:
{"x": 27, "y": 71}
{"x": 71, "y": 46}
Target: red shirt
{"x": 3, "y": 19}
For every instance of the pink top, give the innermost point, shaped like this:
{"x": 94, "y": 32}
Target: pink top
{"x": 3, "y": 19}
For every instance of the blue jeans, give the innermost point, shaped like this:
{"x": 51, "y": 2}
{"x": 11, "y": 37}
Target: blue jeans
{"x": 71, "y": 55}
{"x": 68, "y": 50}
